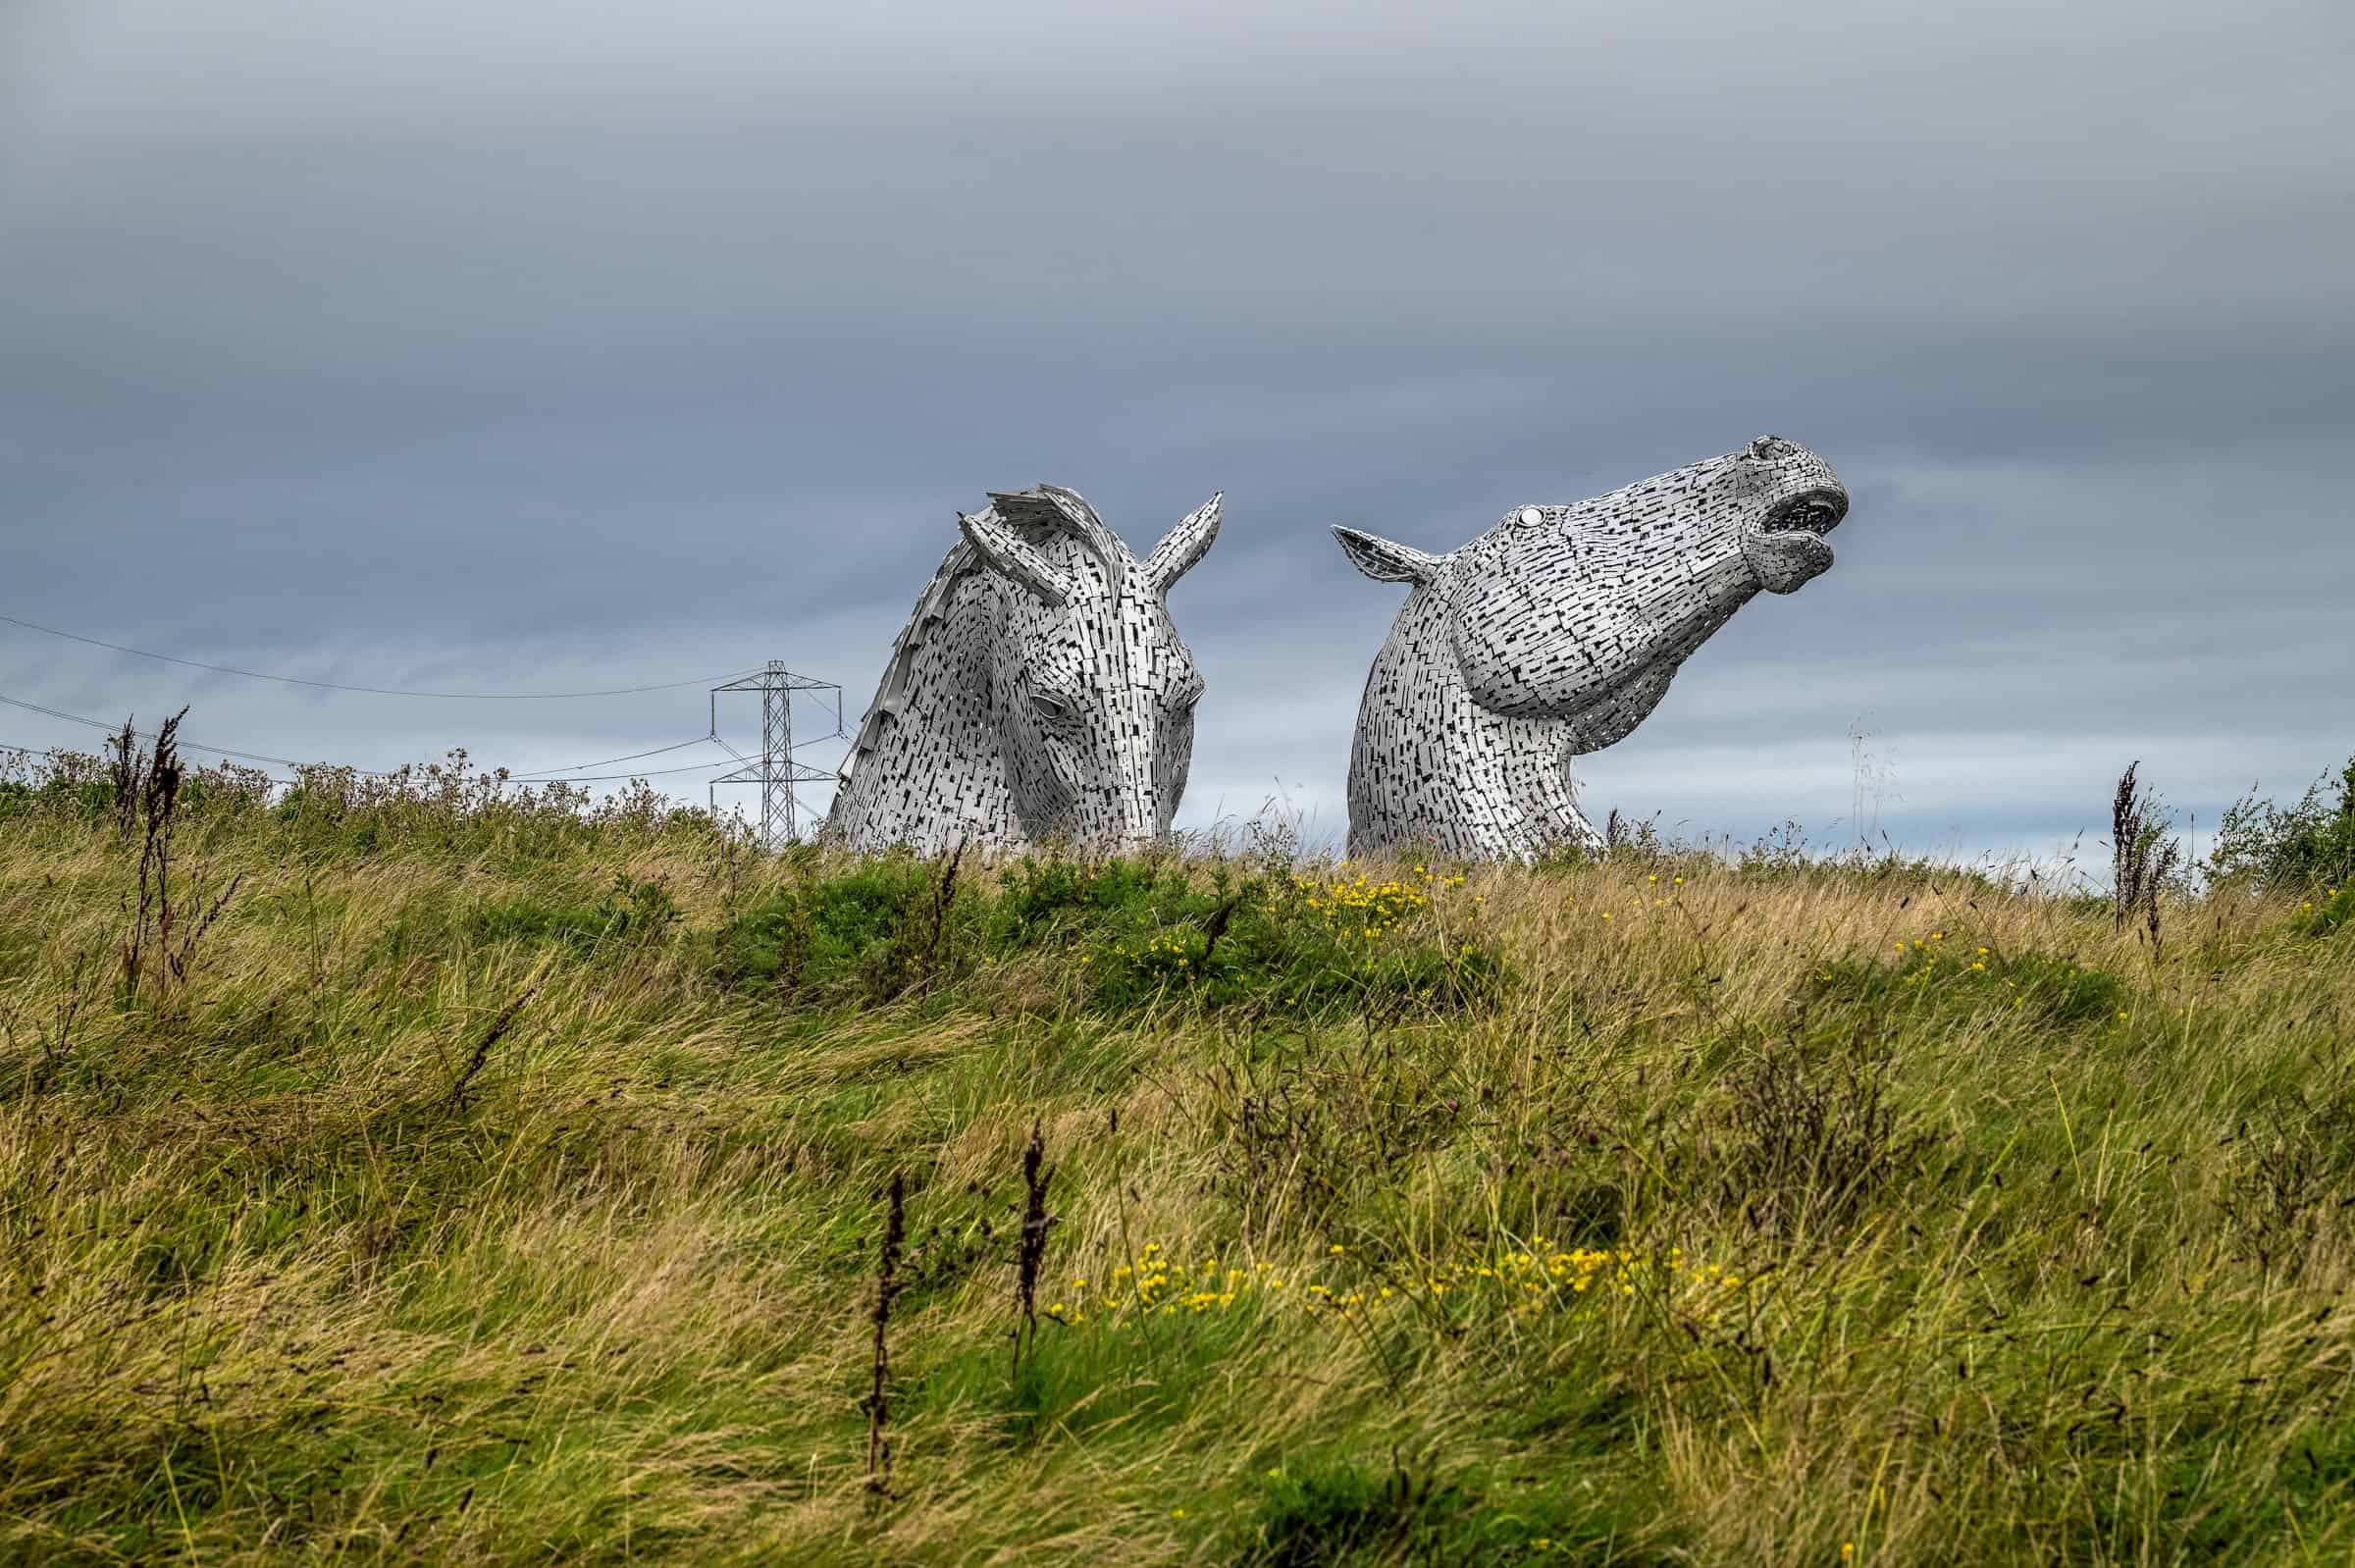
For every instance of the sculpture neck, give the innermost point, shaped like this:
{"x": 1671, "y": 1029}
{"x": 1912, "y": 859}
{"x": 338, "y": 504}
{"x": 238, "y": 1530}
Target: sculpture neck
{"x": 929, "y": 772}
{"x": 1431, "y": 766}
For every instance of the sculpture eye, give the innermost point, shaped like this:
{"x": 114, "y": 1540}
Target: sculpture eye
{"x": 1053, "y": 708}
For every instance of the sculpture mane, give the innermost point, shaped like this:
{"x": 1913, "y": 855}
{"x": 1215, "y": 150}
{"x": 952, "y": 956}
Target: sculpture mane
{"x": 1555, "y": 634}
{"x": 1038, "y": 690}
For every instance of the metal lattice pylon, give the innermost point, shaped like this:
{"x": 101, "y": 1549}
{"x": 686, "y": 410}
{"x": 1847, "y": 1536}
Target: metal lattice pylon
{"x": 775, "y": 770}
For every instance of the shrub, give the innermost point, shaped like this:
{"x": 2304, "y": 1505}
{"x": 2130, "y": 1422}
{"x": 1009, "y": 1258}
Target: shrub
{"x": 2306, "y": 845}
{"x": 869, "y": 931}
{"x": 1305, "y": 948}
{"x": 1140, "y": 934}
{"x": 631, "y": 912}
{"x": 1035, "y": 897}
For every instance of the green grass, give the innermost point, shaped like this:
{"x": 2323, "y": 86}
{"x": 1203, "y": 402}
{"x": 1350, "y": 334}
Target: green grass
{"x": 1650, "y": 1210}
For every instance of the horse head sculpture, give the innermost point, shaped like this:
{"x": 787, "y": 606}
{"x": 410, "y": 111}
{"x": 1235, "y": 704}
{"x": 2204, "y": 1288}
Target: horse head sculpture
{"x": 1557, "y": 633}
{"x": 1039, "y": 691}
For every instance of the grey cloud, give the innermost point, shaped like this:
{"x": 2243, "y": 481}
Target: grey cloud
{"x": 2045, "y": 168}
{"x": 535, "y": 346}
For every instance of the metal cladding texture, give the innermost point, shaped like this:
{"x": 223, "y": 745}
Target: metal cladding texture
{"x": 1037, "y": 693}
{"x": 1557, "y": 633}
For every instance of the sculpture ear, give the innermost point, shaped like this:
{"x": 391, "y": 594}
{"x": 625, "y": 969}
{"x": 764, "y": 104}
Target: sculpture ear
{"x": 1386, "y": 560}
{"x": 1185, "y": 545}
{"x": 1011, "y": 557}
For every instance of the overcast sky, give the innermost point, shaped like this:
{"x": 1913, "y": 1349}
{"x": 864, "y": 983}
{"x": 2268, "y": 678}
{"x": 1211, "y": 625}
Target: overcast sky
{"x": 549, "y": 347}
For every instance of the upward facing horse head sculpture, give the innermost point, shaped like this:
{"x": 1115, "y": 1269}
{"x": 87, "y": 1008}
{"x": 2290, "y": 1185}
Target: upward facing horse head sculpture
{"x": 1040, "y": 690}
{"x": 1557, "y": 633}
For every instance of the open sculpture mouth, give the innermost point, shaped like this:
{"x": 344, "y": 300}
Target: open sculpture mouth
{"x": 1786, "y": 547}
{"x": 1812, "y": 511}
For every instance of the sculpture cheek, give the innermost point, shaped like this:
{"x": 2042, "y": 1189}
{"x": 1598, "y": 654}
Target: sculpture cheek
{"x": 1484, "y": 660}
{"x": 1519, "y": 643}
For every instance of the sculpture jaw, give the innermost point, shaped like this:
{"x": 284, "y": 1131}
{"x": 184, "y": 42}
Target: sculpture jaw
{"x": 1785, "y": 549}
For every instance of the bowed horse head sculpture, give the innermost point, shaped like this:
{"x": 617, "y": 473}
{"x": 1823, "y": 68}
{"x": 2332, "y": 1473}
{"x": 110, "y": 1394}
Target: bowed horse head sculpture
{"x": 1557, "y": 633}
{"x": 1039, "y": 692}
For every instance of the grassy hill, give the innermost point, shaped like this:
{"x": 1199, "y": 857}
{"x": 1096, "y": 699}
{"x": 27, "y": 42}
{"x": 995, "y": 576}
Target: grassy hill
{"x": 426, "y": 1172}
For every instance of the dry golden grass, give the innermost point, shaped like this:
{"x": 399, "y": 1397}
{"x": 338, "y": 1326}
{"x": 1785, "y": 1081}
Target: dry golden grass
{"x": 289, "y": 1275}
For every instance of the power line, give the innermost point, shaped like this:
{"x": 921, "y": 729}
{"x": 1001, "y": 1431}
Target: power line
{"x": 194, "y": 746}
{"x": 593, "y": 778}
{"x": 774, "y": 768}
{"x": 605, "y": 762}
{"x": 364, "y": 772}
{"x": 372, "y": 691}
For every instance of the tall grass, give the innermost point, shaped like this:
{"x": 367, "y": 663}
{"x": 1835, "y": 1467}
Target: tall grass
{"x": 505, "y": 1182}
